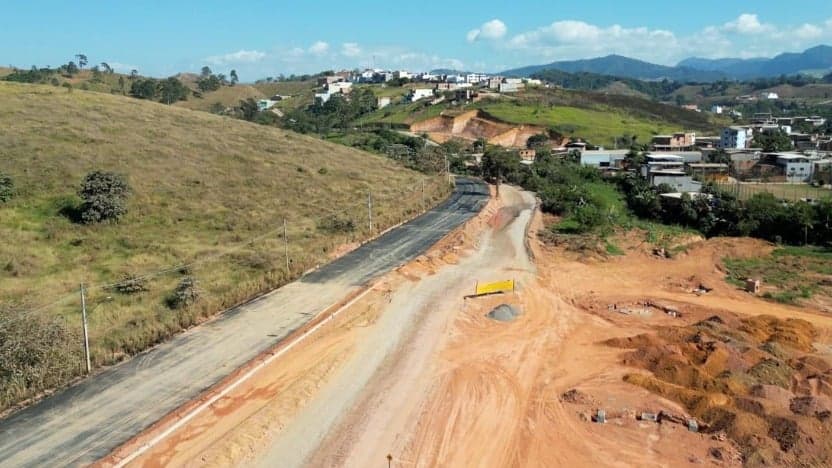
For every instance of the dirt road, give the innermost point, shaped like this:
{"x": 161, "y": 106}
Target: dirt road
{"x": 87, "y": 421}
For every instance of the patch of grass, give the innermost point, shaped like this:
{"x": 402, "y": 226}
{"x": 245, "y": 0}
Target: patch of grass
{"x": 795, "y": 273}
{"x": 613, "y": 249}
{"x": 207, "y": 191}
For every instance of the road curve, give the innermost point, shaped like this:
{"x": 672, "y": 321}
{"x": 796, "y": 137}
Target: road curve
{"x": 86, "y": 422}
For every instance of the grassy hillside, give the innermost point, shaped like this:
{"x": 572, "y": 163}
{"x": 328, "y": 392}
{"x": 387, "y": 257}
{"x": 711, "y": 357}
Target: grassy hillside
{"x": 597, "y": 117}
{"x": 227, "y": 96}
{"x": 207, "y": 191}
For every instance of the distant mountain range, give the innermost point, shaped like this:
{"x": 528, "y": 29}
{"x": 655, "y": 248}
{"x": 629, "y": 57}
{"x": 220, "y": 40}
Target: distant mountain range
{"x": 817, "y": 60}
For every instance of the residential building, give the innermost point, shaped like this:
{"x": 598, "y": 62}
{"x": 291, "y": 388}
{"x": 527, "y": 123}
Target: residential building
{"x": 796, "y": 167}
{"x": 708, "y": 171}
{"x": 715, "y": 109}
{"x": 770, "y": 96}
{"x": 603, "y": 159}
{"x": 678, "y": 180}
{"x": 325, "y": 80}
{"x": 527, "y": 154}
{"x": 735, "y": 137}
{"x": 476, "y": 78}
{"x": 402, "y": 75}
{"x": 803, "y": 141}
{"x": 342, "y": 87}
{"x": 691, "y": 107}
{"x": 532, "y": 82}
{"x": 419, "y": 93}
{"x": 265, "y": 104}
{"x": 679, "y": 140}
{"x": 509, "y": 87}
{"x": 383, "y": 102}
{"x": 494, "y": 82}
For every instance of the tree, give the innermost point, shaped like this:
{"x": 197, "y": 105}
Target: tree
{"x": 539, "y": 141}
{"x": 104, "y": 196}
{"x": 234, "y": 78}
{"x": 121, "y": 83}
{"x": 209, "y": 83}
{"x": 144, "y": 89}
{"x": 172, "y": 90}
{"x": 499, "y": 164}
{"x": 774, "y": 141}
{"x": 134, "y": 74}
{"x": 6, "y": 187}
{"x": 206, "y": 72}
{"x": 82, "y": 60}
{"x": 634, "y": 159}
{"x": 107, "y": 68}
{"x": 249, "y": 109}
{"x": 70, "y": 68}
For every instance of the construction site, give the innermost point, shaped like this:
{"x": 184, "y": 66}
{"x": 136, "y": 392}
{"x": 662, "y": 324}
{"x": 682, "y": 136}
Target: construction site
{"x": 498, "y": 348}
{"x": 475, "y": 125}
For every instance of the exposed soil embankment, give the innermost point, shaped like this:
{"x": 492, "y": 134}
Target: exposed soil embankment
{"x": 474, "y": 125}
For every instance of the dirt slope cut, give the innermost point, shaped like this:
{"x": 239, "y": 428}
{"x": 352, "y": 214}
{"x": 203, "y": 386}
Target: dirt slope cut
{"x": 205, "y": 189}
{"x": 473, "y": 125}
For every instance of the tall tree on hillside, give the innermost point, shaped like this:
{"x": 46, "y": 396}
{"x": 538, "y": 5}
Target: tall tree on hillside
{"x": 206, "y": 72}
{"x": 121, "y": 84}
{"x": 172, "y": 90}
{"x": 82, "y": 60}
{"x": 107, "y": 68}
{"x": 249, "y": 109}
{"x": 71, "y": 68}
{"x": 234, "y": 78}
{"x": 134, "y": 74}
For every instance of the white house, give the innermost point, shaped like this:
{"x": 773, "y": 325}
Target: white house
{"x": 475, "y": 78}
{"x": 342, "y": 87}
{"x": 383, "y": 102}
{"x": 771, "y": 96}
{"x": 402, "y": 75}
{"x": 735, "y": 137}
{"x": 715, "y": 109}
{"x": 797, "y": 167}
{"x": 419, "y": 93}
{"x": 265, "y": 104}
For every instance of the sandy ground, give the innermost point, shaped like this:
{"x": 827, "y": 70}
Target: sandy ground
{"x": 416, "y": 371}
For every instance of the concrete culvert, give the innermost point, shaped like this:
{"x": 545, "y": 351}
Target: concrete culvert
{"x": 504, "y": 313}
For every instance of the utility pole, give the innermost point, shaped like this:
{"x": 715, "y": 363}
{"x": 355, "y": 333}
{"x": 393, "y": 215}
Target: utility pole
{"x": 286, "y": 246}
{"x": 370, "y": 210}
{"x": 86, "y": 333}
{"x": 423, "y": 195}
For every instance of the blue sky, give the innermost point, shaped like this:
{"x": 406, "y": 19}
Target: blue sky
{"x": 261, "y": 38}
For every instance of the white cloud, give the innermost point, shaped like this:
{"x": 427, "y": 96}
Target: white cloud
{"x": 490, "y": 30}
{"x": 350, "y": 49}
{"x": 319, "y": 48}
{"x": 808, "y": 31}
{"x": 122, "y": 67}
{"x": 747, "y": 23}
{"x": 745, "y": 36}
{"x": 241, "y": 56}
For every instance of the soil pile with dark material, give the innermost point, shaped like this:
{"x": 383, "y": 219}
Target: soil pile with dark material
{"x": 504, "y": 313}
{"x": 757, "y": 378}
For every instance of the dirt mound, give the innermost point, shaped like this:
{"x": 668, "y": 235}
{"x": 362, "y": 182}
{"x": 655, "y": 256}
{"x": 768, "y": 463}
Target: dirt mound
{"x": 578, "y": 397}
{"x": 738, "y": 376}
{"x": 504, "y": 313}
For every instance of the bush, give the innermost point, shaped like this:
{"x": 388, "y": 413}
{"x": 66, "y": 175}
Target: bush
{"x": 131, "y": 285}
{"x": 36, "y": 353}
{"x": 104, "y": 196}
{"x": 6, "y": 187}
{"x": 336, "y": 224}
{"x": 186, "y": 294}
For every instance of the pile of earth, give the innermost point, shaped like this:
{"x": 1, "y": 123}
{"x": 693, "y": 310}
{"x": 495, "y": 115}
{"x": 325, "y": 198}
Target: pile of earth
{"x": 503, "y": 313}
{"x": 758, "y": 379}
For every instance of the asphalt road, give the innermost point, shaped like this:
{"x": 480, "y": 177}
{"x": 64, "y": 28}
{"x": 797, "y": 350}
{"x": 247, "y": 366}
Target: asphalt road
{"x": 87, "y": 421}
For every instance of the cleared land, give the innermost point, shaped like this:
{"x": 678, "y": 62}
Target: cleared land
{"x": 208, "y": 192}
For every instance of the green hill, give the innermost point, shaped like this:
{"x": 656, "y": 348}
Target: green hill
{"x": 207, "y": 191}
{"x": 597, "y": 117}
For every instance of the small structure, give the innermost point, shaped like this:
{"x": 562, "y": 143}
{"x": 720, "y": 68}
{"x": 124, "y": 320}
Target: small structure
{"x": 752, "y": 285}
{"x": 383, "y": 102}
{"x": 419, "y": 93}
{"x": 693, "y": 426}
{"x": 649, "y": 417}
{"x": 527, "y": 154}
{"x": 601, "y": 416}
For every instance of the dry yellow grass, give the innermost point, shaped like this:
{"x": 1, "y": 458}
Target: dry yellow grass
{"x": 202, "y": 187}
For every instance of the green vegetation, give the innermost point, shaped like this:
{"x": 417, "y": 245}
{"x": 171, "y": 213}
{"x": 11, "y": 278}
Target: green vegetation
{"x": 6, "y": 187}
{"x": 795, "y": 273}
{"x": 597, "y": 126}
{"x": 207, "y": 198}
{"x": 104, "y": 197}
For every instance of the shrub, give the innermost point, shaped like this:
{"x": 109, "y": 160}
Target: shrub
{"x": 104, "y": 196}
{"x": 336, "y": 224}
{"x": 186, "y": 294}
{"x": 131, "y": 284}
{"x": 6, "y": 187}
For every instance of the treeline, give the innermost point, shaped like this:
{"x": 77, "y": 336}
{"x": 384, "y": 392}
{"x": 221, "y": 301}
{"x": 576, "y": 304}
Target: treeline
{"x": 586, "y": 81}
{"x": 718, "y": 213}
{"x": 339, "y": 113}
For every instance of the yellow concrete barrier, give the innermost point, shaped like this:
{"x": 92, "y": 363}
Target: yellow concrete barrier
{"x": 496, "y": 287}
